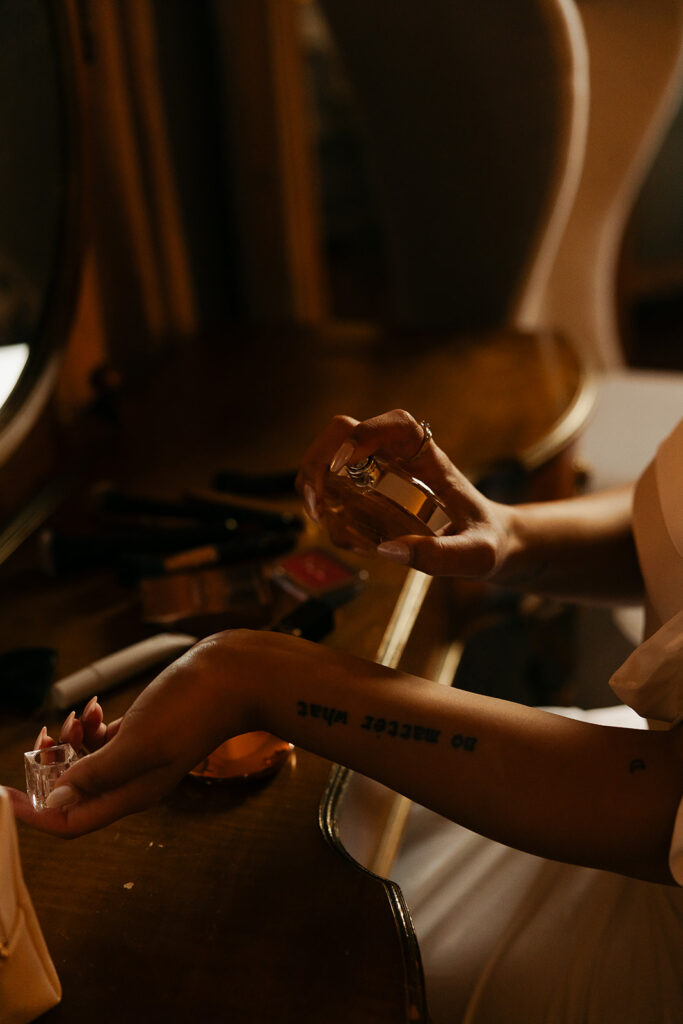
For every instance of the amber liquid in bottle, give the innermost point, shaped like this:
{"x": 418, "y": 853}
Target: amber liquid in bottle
{"x": 375, "y": 501}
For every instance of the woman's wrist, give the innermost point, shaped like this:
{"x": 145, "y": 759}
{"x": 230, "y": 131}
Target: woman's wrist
{"x": 218, "y": 675}
{"x": 526, "y": 547}
{"x": 510, "y": 549}
{"x": 579, "y": 548}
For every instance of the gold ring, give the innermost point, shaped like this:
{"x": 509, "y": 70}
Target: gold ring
{"x": 426, "y": 438}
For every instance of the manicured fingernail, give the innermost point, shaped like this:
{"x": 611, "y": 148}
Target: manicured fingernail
{"x": 39, "y": 741}
{"x": 67, "y": 725}
{"x": 63, "y": 796}
{"x": 396, "y": 551}
{"x": 88, "y": 709}
{"x": 343, "y": 456}
{"x": 311, "y": 504}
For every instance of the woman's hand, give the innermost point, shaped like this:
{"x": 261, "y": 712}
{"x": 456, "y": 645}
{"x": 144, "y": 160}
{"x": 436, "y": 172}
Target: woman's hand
{"x": 541, "y": 782}
{"x": 85, "y": 734}
{"x": 184, "y": 714}
{"x": 476, "y": 543}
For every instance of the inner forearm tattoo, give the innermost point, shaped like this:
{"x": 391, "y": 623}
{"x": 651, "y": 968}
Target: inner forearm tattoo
{"x": 393, "y": 728}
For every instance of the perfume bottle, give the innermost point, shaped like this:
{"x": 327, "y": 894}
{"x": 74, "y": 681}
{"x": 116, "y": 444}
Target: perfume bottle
{"x": 373, "y": 501}
{"x": 44, "y": 768}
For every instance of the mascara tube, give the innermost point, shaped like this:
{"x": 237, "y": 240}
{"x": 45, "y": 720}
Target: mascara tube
{"x": 235, "y": 549}
{"x": 115, "y": 668}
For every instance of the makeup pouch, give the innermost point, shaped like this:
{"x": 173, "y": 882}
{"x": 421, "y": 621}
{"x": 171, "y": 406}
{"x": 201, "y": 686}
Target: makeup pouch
{"x": 29, "y": 984}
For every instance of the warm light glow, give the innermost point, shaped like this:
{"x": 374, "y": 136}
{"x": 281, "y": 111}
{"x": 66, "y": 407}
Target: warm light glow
{"x": 13, "y": 359}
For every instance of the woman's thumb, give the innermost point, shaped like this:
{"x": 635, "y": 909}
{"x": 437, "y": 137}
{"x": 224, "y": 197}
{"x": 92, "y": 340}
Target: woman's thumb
{"x": 456, "y": 555}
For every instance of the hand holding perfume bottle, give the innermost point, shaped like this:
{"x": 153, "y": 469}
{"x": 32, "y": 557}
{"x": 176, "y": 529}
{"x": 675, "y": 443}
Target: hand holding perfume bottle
{"x": 384, "y": 484}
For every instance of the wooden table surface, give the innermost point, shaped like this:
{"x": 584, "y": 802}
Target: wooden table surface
{"x": 226, "y": 902}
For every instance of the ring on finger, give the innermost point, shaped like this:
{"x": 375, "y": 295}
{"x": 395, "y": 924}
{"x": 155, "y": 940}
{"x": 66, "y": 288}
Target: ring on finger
{"x": 427, "y": 436}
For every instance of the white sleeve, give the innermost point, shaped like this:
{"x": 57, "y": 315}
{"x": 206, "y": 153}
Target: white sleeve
{"x": 651, "y": 682}
{"x": 651, "y": 679}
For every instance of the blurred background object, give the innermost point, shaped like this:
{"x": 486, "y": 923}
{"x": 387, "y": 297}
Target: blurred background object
{"x": 297, "y": 164}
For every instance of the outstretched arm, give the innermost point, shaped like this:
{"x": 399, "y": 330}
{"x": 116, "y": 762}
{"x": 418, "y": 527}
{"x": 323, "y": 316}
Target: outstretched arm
{"x": 563, "y": 789}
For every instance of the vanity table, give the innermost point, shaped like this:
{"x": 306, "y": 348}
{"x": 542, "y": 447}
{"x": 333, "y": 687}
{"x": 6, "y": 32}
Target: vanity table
{"x": 264, "y": 900}
{"x": 240, "y": 901}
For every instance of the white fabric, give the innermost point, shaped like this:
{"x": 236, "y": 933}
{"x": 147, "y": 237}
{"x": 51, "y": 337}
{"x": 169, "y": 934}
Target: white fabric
{"x": 669, "y": 471}
{"x": 651, "y": 679}
{"x": 508, "y": 937}
{"x": 29, "y": 984}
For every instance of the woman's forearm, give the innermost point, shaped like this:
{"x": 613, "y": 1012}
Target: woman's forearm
{"x": 581, "y": 548}
{"x": 555, "y": 787}
{"x": 568, "y": 790}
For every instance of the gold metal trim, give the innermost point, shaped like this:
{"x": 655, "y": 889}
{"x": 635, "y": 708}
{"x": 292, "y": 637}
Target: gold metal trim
{"x": 568, "y": 427}
{"x": 413, "y": 592}
{"x": 415, "y": 993}
{"x": 396, "y": 635}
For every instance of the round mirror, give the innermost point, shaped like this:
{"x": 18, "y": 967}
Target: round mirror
{"x": 38, "y": 189}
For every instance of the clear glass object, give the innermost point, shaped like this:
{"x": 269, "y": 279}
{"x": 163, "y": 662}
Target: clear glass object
{"x": 374, "y": 501}
{"x": 44, "y": 768}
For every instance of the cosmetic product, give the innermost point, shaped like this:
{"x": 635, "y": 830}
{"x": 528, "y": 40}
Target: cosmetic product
{"x": 200, "y": 506}
{"x": 208, "y": 504}
{"x": 116, "y": 668}
{"x": 44, "y": 768}
{"x": 239, "y": 548}
{"x": 374, "y": 501}
{"x": 207, "y": 600}
{"x": 62, "y": 554}
{"x": 314, "y": 572}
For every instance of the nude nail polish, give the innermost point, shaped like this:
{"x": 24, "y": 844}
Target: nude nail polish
{"x": 396, "y": 551}
{"x": 44, "y": 768}
{"x": 88, "y": 709}
{"x": 39, "y": 738}
{"x": 311, "y": 503}
{"x": 67, "y": 725}
{"x": 63, "y": 796}
{"x": 342, "y": 456}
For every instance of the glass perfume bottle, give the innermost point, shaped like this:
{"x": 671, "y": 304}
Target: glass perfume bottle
{"x": 373, "y": 501}
{"x": 44, "y": 768}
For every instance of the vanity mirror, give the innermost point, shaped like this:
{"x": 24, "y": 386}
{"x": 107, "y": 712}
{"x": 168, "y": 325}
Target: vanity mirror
{"x": 40, "y": 189}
